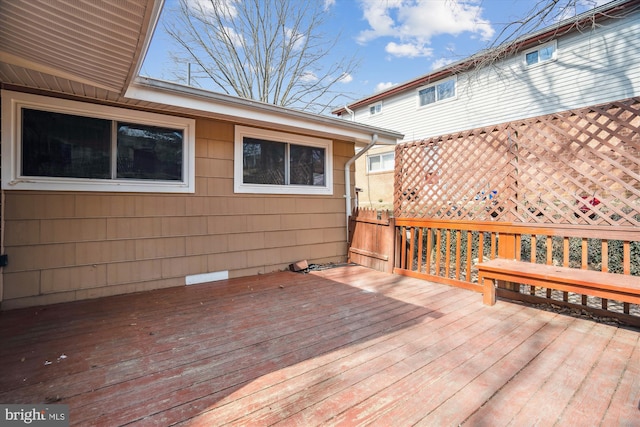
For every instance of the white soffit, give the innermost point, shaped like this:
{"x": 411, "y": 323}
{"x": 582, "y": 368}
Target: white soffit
{"x": 47, "y": 44}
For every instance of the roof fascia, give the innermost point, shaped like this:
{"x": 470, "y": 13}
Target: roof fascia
{"x": 246, "y": 111}
{"x": 149, "y": 28}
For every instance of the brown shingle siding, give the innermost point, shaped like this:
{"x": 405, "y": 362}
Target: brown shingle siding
{"x": 67, "y": 246}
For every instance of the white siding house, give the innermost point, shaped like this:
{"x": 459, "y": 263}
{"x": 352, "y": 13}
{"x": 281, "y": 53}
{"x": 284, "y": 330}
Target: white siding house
{"x": 564, "y": 67}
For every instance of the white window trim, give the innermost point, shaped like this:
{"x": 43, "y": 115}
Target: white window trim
{"x": 12, "y": 104}
{"x": 453, "y": 98}
{"x": 373, "y": 106}
{"x": 381, "y": 162}
{"x": 287, "y": 138}
{"x": 553, "y": 43}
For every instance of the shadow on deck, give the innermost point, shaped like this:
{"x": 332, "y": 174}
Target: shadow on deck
{"x": 342, "y": 346}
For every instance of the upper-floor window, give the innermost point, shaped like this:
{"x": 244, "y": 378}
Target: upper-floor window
{"x": 55, "y": 144}
{"x": 375, "y": 109}
{"x": 437, "y": 92}
{"x": 540, "y": 54}
{"x": 380, "y": 162}
{"x": 281, "y": 163}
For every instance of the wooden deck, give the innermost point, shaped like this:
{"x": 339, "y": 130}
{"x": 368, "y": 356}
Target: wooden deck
{"x": 345, "y": 346}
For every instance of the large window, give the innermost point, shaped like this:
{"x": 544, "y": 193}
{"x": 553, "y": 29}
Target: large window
{"x": 540, "y": 54}
{"x": 383, "y": 162}
{"x": 55, "y": 144}
{"x": 437, "y": 92}
{"x": 281, "y": 163}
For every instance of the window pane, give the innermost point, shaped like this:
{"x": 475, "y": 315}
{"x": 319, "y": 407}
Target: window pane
{"x": 446, "y": 89}
{"x": 374, "y": 163}
{"x": 63, "y": 145}
{"x": 306, "y": 165}
{"x": 263, "y": 162}
{"x": 387, "y": 161}
{"x": 532, "y": 57}
{"x": 546, "y": 53}
{"x": 149, "y": 152}
{"x": 427, "y": 96}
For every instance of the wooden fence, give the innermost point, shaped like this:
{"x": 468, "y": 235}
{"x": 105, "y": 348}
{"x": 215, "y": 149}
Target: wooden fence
{"x": 448, "y": 251}
{"x": 562, "y": 189}
{"x": 371, "y": 239}
{"x": 576, "y": 167}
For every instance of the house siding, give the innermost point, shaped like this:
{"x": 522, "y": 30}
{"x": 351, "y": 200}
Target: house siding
{"x": 377, "y": 187}
{"x": 65, "y": 246}
{"x": 593, "y": 66}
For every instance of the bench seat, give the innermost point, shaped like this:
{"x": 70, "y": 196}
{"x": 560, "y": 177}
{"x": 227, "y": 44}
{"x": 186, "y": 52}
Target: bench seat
{"x": 618, "y": 287}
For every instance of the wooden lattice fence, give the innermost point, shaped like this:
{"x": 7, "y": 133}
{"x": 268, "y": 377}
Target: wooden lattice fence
{"x": 562, "y": 189}
{"x": 577, "y": 167}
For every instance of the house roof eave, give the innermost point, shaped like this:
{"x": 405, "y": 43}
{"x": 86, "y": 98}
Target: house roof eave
{"x": 246, "y": 111}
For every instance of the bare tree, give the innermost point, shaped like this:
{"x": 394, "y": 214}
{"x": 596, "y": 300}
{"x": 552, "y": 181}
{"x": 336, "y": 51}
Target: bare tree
{"x": 272, "y": 51}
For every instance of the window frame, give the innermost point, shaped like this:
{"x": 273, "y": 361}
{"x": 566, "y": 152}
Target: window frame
{"x": 286, "y": 138}
{"x": 12, "y": 178}
{"x": 553, "y": 58}
{"x": 377, "y": 107}
{"x": 381, "y": 162}
{"x": 435, "y": 85}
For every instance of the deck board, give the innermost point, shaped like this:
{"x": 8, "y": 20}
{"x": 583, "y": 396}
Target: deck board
{"x": 344, "y": 346}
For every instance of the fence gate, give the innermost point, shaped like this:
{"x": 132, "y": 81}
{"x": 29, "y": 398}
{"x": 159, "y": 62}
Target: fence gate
{"x": 371, "y": 239}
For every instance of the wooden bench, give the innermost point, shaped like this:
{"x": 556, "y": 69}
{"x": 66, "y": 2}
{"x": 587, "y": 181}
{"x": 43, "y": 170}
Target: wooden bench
{"x": 618, "y": 287}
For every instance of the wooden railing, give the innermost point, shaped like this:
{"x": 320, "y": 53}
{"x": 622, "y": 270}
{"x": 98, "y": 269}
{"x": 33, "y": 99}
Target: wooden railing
{"x": 447, "y": 251}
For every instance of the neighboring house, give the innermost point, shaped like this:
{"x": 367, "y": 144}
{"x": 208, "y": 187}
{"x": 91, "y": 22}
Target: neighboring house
{"x": 591, "y": 59}
{"x": 113, "y": 183}
{"x": 374, "y": 178}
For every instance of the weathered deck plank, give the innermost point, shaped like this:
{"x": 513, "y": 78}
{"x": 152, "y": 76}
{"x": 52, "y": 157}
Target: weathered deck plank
{"x": 346, "y": 346}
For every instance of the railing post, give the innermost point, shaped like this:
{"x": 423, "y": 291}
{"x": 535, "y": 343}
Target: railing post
{"x": 390, "y": 237}
{"x": 507, "y": 250}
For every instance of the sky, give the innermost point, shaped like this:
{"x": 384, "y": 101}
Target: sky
{"x": 395, "y": 40}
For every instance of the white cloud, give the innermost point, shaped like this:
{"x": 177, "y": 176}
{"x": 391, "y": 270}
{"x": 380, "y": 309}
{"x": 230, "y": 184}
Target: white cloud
{"x": 592, "y": 3}
{"x": 308, "y": 76}
{"x": 384, "y": 86}
{"x": 235, "y": 38}
{"x": 439, "y": 63}
{"x": 571, "y": 10}
{"x": 377, "y": 14}
{"x": 415, "y": 22}
{"x": 205, "y": 7}
{"x": 409, "y": 50}
{"x": 298, "y": 39}
{"x": 328, "y": 4}
{"x": 346, "y": 78}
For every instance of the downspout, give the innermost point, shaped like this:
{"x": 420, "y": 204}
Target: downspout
{"x": 347, "y": 176}
{"x": 351, "y": 113}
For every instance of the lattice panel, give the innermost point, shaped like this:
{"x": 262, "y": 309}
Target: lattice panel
{"x": 577, "y": 167}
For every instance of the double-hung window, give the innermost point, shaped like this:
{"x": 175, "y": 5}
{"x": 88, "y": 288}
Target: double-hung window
{"x": 383, "y": 162}
{"x": 55, "y": 144}
{"x": 281, "y": 163}
{"x": 437, "y": 92}
{"x": 540, "y": 54}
